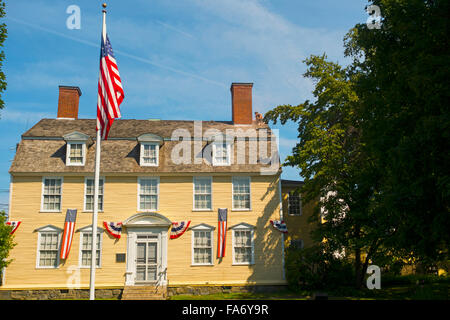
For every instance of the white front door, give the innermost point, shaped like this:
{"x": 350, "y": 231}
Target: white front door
{"x": 147, "y": 258}
{"x": 147, "y": 235}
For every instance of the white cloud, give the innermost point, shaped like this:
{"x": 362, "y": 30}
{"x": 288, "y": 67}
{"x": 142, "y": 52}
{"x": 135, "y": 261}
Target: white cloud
{"x": 24, "y": 116}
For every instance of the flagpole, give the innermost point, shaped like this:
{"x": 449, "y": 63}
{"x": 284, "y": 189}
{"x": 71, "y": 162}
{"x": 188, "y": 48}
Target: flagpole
{"x": 96, "y": 185}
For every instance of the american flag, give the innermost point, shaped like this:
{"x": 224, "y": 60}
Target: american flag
{"x": 222, "y": 233}
{"x": 110, "y": 91}
{"x": 69, "y": 227}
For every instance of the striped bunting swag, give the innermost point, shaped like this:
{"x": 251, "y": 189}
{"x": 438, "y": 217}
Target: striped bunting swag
{"x": 279, "y": 225}
{"x": 14, "y": 225}
{"x": 69, "y": 227}
{"x": 178, "y": 228}
{"x": 113, "y": 228}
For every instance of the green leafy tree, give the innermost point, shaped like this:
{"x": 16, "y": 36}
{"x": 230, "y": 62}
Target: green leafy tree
{"x": 3, "y": 35}
{"x": 374, "y": 145}
{"x": 404, "y": 93}
{"x": 6, "y": 242}
{"x": 335, "y": 169}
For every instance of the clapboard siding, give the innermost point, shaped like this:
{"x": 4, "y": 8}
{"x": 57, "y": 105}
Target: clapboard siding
{"x": 120, "y": 202}
{"x": 299, "y": 226}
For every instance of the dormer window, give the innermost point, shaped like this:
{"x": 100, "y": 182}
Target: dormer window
{"x": 76, "y": 148}
{"x": 149, "y": 154}
{"x": 221, "y": 151}
{"x": 149, "y": 149}
{"x": 76, "y": 152}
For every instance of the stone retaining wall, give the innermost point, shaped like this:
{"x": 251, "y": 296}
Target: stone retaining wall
{"x": 83, "y": 294}
{"x": 58, "y": 294}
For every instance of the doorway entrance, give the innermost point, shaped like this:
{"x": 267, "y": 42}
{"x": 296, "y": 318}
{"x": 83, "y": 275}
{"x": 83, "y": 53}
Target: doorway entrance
{"x": 147, "y": 266}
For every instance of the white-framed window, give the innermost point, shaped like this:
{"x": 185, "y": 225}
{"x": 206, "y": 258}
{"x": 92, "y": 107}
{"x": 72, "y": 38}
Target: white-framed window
{"x": 148, "y": 193}
{"x": 243, "y": 244}
{"x": 296, "y": 244}
{"x": 202, "y": 245}
{"x": 89, "y": 194}
{"x": 51, "y": 194}
{"x": 294, "y": 203}
{"x": 76, "y": 148}
{"x": 48, "y": 247}
{"x": 241, "y": 193}
{"x": 76, "y": 153}
{"x": 221, "y": 153}
{"x": 202, "y": 193}
{"x": 149, "y": 155}
{"x": 86, "y": 247}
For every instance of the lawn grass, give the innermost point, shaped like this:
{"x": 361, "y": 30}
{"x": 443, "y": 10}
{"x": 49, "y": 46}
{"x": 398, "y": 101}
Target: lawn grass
{"x": 281, "y": 295}
{"x": 399, "y": 288}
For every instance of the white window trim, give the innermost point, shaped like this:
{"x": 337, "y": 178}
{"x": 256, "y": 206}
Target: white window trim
{"x": 232, "y": 193}
{"x": 48, "y": 229}
{"x": 243, "y": 227}
{"x": 193, "y": 193}
{"x": 85, "y": 189}
{"x": 141, "y": 154}
{"x": 83, "y": 150}
{"x": 289, "y": 205}
{"x": 87, "y": 230}
{"x": 42, "y": 193}
{"x": 202, "y": 227}
{"x": 139, "y": 193}
{"x": 214, "y": 145}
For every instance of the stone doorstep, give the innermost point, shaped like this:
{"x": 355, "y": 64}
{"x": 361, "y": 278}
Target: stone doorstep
{"x": 144, "y": 293}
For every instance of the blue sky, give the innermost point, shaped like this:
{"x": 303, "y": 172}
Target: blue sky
{"x": 177, "y": 59}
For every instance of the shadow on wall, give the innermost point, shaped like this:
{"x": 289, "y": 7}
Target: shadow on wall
{"x": 268, "y": 264}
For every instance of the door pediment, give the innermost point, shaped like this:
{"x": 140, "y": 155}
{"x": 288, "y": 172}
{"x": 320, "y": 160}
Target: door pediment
{"x": 147, "y": 219}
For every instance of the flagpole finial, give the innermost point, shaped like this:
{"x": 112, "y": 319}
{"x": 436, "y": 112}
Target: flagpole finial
{"x": 104, "y": 7}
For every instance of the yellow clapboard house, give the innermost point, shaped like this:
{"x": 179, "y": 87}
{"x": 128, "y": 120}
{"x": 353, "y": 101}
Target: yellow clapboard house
{"x": 153, "y": 173}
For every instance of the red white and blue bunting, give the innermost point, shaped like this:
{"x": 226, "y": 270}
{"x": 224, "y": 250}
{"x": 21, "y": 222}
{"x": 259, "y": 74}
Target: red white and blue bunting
{"x": 14, "y": 225}
{"x": 178, "y": 228}
{"x": 279, "y": 225}
{"x": 113, "y": 228}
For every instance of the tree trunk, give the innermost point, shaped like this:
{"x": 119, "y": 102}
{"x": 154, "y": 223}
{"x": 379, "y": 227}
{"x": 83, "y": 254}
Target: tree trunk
{"x": 358, "y": 271}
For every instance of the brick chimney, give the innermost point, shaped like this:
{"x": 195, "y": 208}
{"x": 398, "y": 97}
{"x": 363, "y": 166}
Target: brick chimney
{"x": 68, "y": 102}
{"x": 241, "y": 103}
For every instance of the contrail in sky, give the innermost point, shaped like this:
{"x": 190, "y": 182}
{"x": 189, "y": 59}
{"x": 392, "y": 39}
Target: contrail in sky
{"x": 131, "y": 56}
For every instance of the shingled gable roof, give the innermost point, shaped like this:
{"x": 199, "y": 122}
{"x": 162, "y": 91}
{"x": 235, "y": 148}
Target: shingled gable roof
{"x": 43, "y": 149}
{"x": 130, "y": 128}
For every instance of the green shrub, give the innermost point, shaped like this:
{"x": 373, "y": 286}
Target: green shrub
{"x": 313, "y": 268}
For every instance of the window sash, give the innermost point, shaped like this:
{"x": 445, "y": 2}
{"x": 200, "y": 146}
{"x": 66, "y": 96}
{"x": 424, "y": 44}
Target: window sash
{"x": 294, "y": 203}
{"x": 76, "y": 155}
{"x": 51, "y": 198}
{"x": 148, "y": 194}
{"x": 296, "y": 244}
{"x": 202, "y": 193}
{"x": 149, "y": 154}
{"x": 243, "y": 246}
{"x": 221, "y": 153}
{"x": 48, "y": 249}
{"x": 86, "y": 249}
{"x": 89, "y": 195}
{"x": 202, "y": 247}
{"x": 241, "y": 193}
